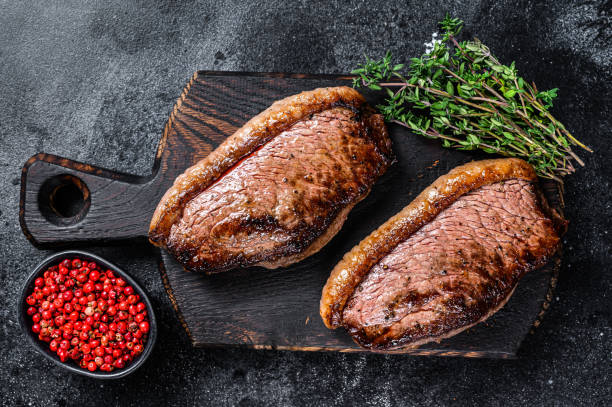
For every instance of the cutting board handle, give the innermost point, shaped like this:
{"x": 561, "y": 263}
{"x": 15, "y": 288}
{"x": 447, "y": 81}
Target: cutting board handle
{"x": 64, "y": 201}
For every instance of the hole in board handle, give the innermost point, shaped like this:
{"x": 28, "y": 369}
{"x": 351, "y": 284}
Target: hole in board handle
{"x": 64, "y": 200}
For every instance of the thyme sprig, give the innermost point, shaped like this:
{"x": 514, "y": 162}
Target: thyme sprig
{"x": 461, "y": 93}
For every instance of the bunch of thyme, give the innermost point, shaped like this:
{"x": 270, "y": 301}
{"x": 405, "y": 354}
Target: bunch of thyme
{"x": 460, "y": 93}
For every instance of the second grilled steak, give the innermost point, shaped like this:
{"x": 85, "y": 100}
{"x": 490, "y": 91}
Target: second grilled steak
{"x": 278, "y": 189}
{"x": 449, "y": 260}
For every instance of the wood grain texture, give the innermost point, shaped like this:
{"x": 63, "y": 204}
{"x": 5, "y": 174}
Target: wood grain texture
{"x": 255, "y": 307}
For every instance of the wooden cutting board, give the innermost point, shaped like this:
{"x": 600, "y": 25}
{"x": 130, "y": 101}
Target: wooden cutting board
{"x": 64, "y": 202}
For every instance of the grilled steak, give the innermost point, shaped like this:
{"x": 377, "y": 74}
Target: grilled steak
{"x": 278, "y": 189}
{"x": 447, "y": 261}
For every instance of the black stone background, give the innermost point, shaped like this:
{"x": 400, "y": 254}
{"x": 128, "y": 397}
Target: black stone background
{"x": 95, "y": 82}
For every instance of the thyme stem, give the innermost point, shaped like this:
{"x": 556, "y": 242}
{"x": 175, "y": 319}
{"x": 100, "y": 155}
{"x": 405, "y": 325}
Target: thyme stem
{"x": 461, "y": 94}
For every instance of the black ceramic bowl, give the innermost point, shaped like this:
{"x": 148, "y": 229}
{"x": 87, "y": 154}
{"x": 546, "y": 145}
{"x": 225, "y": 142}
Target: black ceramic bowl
{"x": 42, "y": 347}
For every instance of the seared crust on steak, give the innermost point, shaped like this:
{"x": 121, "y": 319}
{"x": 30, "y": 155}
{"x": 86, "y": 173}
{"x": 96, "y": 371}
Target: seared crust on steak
{"x": 388, "y": 309}
{"x": 232, "y": 209}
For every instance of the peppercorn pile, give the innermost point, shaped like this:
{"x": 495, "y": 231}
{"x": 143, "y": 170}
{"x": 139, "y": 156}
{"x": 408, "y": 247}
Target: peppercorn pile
{"x": 88, "y": 315}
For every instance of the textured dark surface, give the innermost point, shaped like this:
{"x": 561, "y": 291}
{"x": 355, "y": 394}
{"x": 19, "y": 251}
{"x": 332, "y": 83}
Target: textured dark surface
{"x": 95, "y": 82}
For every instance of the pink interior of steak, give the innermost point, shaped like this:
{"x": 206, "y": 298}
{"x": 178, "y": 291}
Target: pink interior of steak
{"x": 457, "y": 268}
{"x": 281, "y": 197}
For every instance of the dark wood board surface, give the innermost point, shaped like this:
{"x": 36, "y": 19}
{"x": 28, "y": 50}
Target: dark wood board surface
{"x": 64, "y": 202}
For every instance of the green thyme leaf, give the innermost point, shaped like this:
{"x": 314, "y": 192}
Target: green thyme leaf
{"x": 469, "y": 100}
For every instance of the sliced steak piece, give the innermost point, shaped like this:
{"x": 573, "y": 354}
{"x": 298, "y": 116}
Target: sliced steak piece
{"x": 278, "y": 189}
{"x": 447, "y": 261}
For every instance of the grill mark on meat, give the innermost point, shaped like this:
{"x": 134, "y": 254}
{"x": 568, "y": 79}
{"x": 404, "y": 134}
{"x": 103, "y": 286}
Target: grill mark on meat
{"x": 445, "y": 262}
{"x": 476, "y": 277}
{"x": 278, "y": 202}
